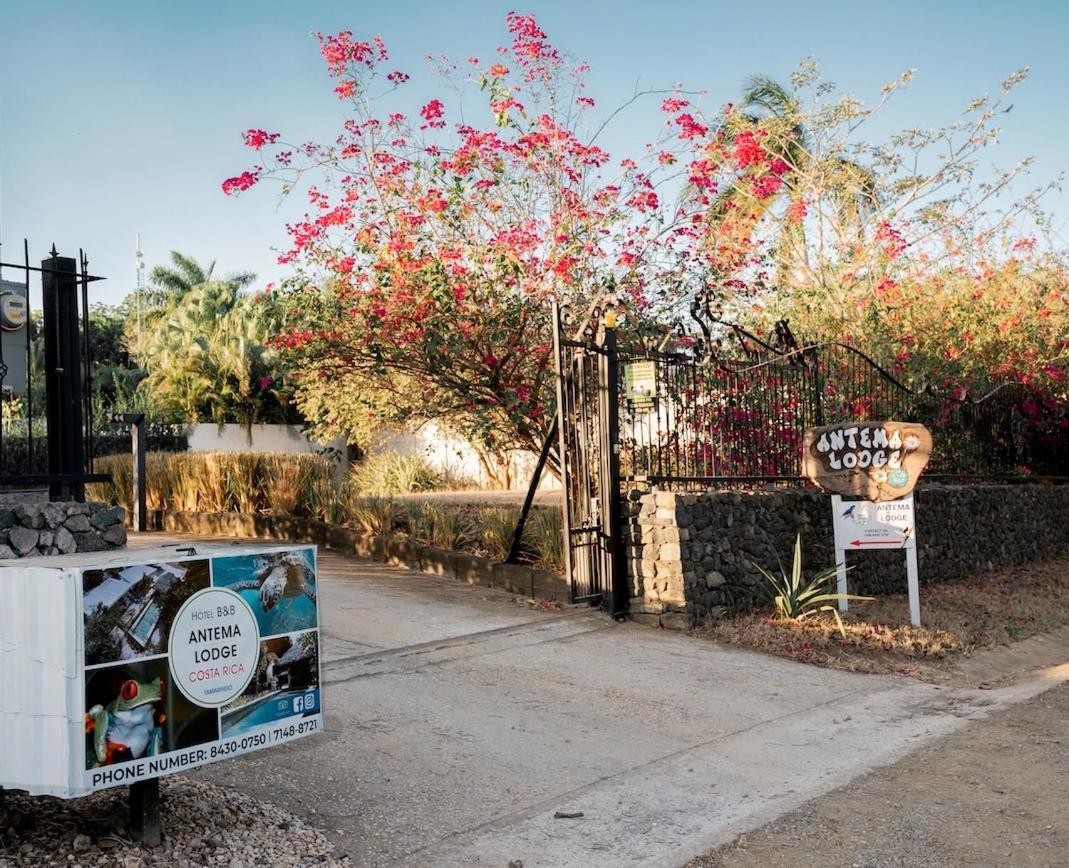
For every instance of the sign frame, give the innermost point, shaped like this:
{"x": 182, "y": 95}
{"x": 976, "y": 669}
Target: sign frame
{"x": 876, "y": 525}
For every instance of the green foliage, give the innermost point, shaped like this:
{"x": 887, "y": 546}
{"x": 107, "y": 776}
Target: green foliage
{"x": 797, "y": 598}
{"x": 394, "y": 473}
{"x": 496, "y": 527}
{"x": 374, "y": 515}
{"x": 545, "y": 534}
{"x": 207, "y": 359}
{"x": 438, "y": 525}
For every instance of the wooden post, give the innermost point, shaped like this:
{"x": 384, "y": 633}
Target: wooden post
{"x": 145, "y": 812}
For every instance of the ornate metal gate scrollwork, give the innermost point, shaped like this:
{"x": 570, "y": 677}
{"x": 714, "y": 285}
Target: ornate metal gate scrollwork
{"x": 588, "y": 431}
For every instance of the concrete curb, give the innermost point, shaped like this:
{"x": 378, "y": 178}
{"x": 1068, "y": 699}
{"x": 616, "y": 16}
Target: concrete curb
{"x": 397, "y": 551}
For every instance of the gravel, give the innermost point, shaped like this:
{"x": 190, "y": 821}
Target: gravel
{"x": 203, "y": 824}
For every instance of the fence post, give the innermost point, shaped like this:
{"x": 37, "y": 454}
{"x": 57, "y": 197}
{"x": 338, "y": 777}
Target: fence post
{"x": 562, "y": 450}
{"x": 136, "y": 421}
{"x": 63, "y": 370}
{"x": 619, "y": 597}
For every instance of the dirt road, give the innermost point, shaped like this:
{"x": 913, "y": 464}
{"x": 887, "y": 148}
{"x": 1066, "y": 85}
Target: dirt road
{"x": 994, "y": 793}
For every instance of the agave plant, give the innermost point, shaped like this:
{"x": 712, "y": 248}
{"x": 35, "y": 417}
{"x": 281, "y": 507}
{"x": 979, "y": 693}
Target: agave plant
{"x": 796, "y": 597}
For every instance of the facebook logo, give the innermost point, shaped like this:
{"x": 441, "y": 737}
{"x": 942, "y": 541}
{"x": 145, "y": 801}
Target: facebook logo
{"x": 298, "y": 703}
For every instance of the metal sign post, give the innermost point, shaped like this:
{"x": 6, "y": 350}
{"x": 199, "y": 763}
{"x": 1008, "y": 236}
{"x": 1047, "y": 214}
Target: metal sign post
{"x": 862, "y": 525}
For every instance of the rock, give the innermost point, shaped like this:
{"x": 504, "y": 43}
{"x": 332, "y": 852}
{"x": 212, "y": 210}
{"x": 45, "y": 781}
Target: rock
{"x": 7, "y": 518}
{"x": 115, "y": 535}
{"x": 23, "y": 539}
{"x": 44, "y": 539}
{"x": 6, "y": 552}
{"x": 90, "y": 542}
{"x": 77, "y": 524}
{"x": 81, "y": 843}
{"x": 77, "y": 509}
{"x": 677, "y": 621}
{"x": 64, "y": 540}
{"x": 53, "y": 514}
{"x": 106, "y": 517}
{"x": 29, "y": 515}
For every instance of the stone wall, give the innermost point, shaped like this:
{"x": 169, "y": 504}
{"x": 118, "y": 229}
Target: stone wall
{"x": 690, "y": 553}
{"x": 60, "y": 528}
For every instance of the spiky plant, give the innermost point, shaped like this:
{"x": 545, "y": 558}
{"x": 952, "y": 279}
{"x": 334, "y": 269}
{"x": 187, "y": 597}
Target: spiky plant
{"x": 797, "y": 598}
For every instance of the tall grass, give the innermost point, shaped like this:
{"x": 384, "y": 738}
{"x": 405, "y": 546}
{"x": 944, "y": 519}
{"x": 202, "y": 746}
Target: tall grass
{"x": 545, "y": 535}
{"x": 386, "y": 473}
{"x": 496, "y": 526}
{"x": 374, "y": 515}
{"x": 307, "y": 486}
{"x": 224, "y": 481}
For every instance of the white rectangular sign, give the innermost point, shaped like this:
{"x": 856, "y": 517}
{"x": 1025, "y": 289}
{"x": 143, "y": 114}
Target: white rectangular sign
{"x": 865, "y": 525}
{"x": 157, "y": 661}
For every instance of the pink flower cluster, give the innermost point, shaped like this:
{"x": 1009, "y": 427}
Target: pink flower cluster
{"x": 258, "y": 138}
{"x": 241, "y": 182}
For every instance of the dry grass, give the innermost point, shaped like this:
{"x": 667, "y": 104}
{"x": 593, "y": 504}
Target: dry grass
{"x": 984, "y": 611}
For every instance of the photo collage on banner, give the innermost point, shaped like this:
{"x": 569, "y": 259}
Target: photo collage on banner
{"x": 191, "y": 652}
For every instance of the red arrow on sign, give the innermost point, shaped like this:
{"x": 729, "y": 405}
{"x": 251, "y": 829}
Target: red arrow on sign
{"x": 875, "y": 542}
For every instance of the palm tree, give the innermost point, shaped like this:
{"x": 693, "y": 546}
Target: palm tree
{"x": 207, "y": 358}
{"x": 850, "y": 188}
{"x": 174, "y": 281}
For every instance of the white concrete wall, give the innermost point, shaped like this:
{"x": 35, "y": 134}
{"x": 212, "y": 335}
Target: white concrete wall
{"x": 449, "y": 453}
{"x": 285, "y": 439}
{"x": 441, "y": 448}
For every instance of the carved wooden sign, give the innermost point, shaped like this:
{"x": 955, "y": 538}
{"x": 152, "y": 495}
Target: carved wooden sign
{"x": 874, "y": 460}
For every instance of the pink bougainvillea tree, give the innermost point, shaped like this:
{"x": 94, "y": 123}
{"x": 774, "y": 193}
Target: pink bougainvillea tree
{"x": 439, "y": 231}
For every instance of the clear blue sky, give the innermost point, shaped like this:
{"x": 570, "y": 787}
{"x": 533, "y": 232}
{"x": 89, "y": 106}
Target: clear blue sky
{"x": 118, "y": 117}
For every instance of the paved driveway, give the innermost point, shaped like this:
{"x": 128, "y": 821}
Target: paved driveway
{"x": 460, "y": 725}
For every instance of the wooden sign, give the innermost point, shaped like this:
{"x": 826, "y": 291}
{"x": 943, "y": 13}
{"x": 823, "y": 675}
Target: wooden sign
{"x": 875, "y": 460}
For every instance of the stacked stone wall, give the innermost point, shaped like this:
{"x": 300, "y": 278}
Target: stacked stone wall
{"x": 691, "y": 554}
{"x": 60, "y": 528}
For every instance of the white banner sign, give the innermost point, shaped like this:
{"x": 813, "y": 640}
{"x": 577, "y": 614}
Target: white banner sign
{"x": 867, "y": 525}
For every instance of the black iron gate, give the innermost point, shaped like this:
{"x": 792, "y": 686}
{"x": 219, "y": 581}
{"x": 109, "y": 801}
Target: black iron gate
{"x": 588, "y": 432}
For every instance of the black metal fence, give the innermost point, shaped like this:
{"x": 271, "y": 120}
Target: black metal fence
{"x": 46, "y": 393}
{"x": 685, "y": 419}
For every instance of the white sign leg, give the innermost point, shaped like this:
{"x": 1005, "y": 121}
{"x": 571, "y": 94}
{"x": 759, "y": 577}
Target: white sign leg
{"x": 914, "y": 589}
{"x": 840, "y": 581}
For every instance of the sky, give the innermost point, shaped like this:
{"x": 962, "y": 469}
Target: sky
{"x": 124, "y": 117}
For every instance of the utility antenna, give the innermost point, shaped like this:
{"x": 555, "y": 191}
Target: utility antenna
{"x": 139, "y": 264}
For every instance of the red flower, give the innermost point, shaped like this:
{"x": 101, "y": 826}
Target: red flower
{"x": 689, "y": 128}
{"x": 748, "y": 150}
{"x": 241, "y": 182}
{"x": 346, "y": 89}
{"x": 432, "y": 113}
{"x": 258, "y": 138}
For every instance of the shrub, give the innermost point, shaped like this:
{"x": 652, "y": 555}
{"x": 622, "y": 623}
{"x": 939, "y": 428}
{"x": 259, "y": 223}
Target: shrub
{"x": 545, "y": 534}
{"x": 385, "y": 473}
{"x": 374, "y": 515}
{"x": 496, "y": 526}
{"x": 796, "y": 598}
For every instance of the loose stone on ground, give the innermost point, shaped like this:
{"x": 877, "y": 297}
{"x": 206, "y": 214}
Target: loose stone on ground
{"x": 203, "y": 824}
